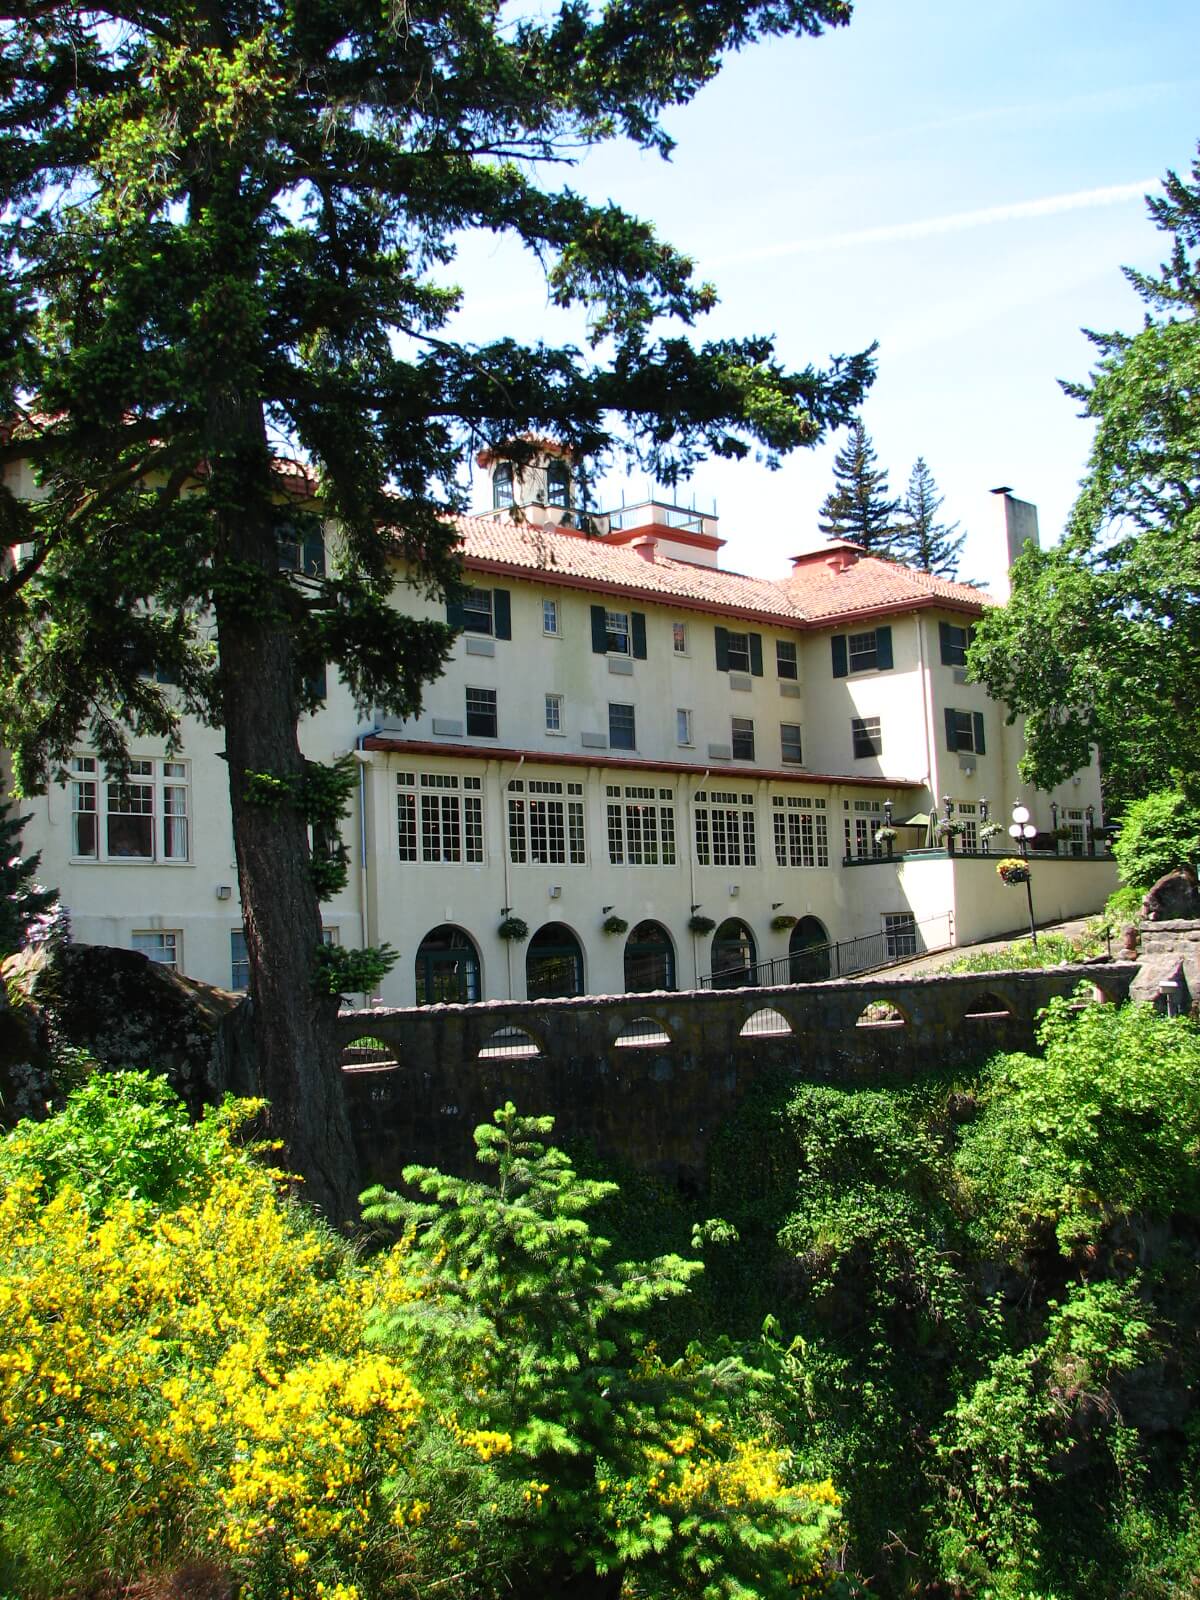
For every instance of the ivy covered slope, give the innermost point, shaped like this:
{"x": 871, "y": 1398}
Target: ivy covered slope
{"x": 982, "y": 1298}
{"x": 225, "y": 231}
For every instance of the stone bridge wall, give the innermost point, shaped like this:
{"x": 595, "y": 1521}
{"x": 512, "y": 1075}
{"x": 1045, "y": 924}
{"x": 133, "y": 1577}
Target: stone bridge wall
{"x": 656, "y": 1104}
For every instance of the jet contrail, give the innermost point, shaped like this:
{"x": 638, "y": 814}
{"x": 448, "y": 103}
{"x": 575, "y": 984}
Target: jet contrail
{"x": 956, "y": 222}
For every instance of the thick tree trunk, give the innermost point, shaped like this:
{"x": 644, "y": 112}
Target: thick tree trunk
{"x": 294, "y": 1027}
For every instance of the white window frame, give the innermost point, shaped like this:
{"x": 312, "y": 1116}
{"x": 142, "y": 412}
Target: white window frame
{"x": 640, "y": 824}
{"x": 439, "y": 819}
{"x": 867, "y": 653}
{"x": 789, "y": 760}
{"x": 622, "y": 705}
{"x": 800, "y": 827}
{"x": 617, "y": 633}
{"x": 544, "y": 828}
{"x": 481, "y": 603}
{"x": 481, "y": 689}
{"x": 167, "y": 940}
{"x": 679, "y": 638}
{"x": 787, "y": 667}
{"x": 159, "y": 788}
{"x": 739, "y": 644}
{"x": 724, "y": 828}
{"x": 554, "y": 716}
{"x": 683, "y": 727}
{"x": 741, "y": 730}
{"x": 550, "y": 618}
{"x": 863, "y": 726}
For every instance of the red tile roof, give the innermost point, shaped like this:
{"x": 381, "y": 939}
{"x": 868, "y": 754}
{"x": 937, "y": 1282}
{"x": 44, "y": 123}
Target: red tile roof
{"x": 821, "y": 592}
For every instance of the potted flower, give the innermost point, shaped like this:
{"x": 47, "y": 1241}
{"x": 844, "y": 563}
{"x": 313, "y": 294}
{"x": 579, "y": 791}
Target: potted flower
{"x": 948, "y": 829}
{"x": 783, "y": 922}
{"x": 614, "y": 924}
{"x": 699, "y": 924}
{"x": 1013, "y": 870}
{"x": 515, "y": 928}
{"x": 988, "y": 832}
{"x": 886, "y": 837}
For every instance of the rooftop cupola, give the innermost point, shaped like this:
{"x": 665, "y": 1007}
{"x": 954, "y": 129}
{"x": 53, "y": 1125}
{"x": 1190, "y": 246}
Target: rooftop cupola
{"x": 538, "y": 477}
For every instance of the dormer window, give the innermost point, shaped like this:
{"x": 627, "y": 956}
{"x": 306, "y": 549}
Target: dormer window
{"x": 502, "y": 484}
{"x": 558, "y": 485}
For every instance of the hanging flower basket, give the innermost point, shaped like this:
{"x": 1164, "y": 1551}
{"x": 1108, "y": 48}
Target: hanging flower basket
{"x": 886, "y": 836}
{"x": 515, "y": 928}
{"x": 1011, "y": 870}
{"x": 783, "y": 922}
{"x": 701, "y": 924}
{"x": 949, "y": 828}
{"x": 615, "y": 924}
{"x": 991, "y": 830}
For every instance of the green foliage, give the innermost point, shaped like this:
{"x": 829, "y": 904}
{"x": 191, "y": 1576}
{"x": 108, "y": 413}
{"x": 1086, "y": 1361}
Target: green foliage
{"x": 511, "y": 1314}
{"x": 858, "y": 507}
{"x": 1158, "y": 834}
{"x": 1051, "y": 950}
{"x": 922, "y": 541}
{"x": 22, "y": 902}
{"x": 1106, "y": 1122}
{"x": 1098, "y": 644}
{"x": 341, "y": 970}
{"x": 514, "y": 928}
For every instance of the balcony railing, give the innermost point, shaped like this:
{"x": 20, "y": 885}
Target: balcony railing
{"x": 939, "y": 853}
{"x": 820, "y": 962}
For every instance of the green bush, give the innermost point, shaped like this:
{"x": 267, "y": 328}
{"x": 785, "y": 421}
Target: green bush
{"x": 1157, "y": 835}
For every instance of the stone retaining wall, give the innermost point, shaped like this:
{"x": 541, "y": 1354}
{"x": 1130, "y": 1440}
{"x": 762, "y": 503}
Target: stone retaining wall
{"x": 656, "y": 1103}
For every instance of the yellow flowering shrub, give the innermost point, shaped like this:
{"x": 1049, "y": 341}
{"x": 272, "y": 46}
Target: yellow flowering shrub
{"x": 194, "y": 1380}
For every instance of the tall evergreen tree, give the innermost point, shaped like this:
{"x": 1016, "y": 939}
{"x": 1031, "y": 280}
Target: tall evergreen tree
{"x": 22, "y": 902}
{"x": 922, "y": 541}
{"x": 859, "y": 507}
{"x": 224, "y": 230}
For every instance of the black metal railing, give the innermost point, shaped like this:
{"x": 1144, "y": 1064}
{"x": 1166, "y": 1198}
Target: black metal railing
{"x": 819, "y": 963}
{"x": 940, "y": 853}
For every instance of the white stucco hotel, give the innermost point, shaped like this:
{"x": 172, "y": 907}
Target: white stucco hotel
{"x": 627, "y": 730}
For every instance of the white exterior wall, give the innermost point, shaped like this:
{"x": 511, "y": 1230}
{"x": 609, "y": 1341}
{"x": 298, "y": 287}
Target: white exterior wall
{"x": 404, "y": 901}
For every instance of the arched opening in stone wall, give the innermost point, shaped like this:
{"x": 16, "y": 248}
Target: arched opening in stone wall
{"x": 734, "y": 955}
{"x": 990, "y": 1006}
{"x": 808, "y": 950}
{"x": 881, "y": 1013}
{"x": 649, "y": 959}
{"x": 553, "y": 963}
{"x": 643, "y": 1033}
{"x": 510, "y": 1043}
{"x": 765, "y": 1023}
{"x": 447, "y": 968}
{"x": 368, "y": 1053}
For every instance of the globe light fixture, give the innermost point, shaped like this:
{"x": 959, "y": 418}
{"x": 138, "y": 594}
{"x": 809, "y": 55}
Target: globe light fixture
{"x": 1021, "y": 829}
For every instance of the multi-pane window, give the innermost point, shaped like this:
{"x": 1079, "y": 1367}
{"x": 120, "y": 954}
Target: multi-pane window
{"x": 622, "y": 729}
{"x": 554, "y": 713}
{"x": 1077, "y": 843}
{"x": 954, "y": 642}
{"x": 439, "y": 817}
{"x": 302, "y": 546}
{"x": 786, "y": 663}
{"x": 558, "y": 485}
{"x": 161, "y": 946}
{"x": 863, "y": 650}
{"x": 801, "y": 831}
{"x": 789, "y": 744}
{"x": 964, "y": 731}
{"x": 683, "y": 725}
{"x": 679, "y": 639}
{"x": 481, "y": 713}
{"x": 616, "y": 632}
{"x": 725, "y": 829}
{"x": 641, "y": 826}
{"x": 239, "y": 960}
{"x": 866, "y": 736}
{"x": 477, "y": 611}
{"x": 739, "y": 652}
{"x": 861, "y": 828}
{"x": 550, "y": 617}
{"x": 502, "y": 484}
{"x": 968, "y": 815}
{"x": 142, "y": 816}
{"x": 900, "y": 934}
{"x": 543, "y": 829}
{"x": 742, "y": 738}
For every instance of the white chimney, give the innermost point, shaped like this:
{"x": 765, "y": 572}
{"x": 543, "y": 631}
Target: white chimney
{"x": 1018, "y": 526}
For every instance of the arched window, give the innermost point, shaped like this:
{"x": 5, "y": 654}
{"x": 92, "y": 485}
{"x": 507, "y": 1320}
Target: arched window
{"x": 808, "y": 949}
{"x": 558, "y": 485}
{"x": 734, "y": 955}
{"x": 649, "y": 959}
{"x": 447, "y": 967}
{"x": 553, "y": 963}
{"x": 502, "y": 484}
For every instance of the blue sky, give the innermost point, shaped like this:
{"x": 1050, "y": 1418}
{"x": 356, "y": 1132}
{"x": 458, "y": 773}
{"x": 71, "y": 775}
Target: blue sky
{"x": 962, "y": 183}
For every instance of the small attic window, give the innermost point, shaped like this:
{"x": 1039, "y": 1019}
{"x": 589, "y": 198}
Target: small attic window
{"x": 502, "y": 484}
{"x": 558, "y": 485}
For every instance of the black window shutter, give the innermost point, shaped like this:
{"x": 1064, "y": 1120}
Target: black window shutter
{"x": 970, "y": 637}
{"x": 599, "y": 632}
{"x": 980, "y": 748}
{"x": 883, "y": 649}
{"x": 951, "y": 730}
{"x": 946, "y": 647}
{"x": 637, "y": 620}
{"x": 501, "y": 614}
{"x": 756, "y": 654}
{"x": 456, "y": 614}
{"x": 840, "y": 666}
{"x": 722, "y": 638}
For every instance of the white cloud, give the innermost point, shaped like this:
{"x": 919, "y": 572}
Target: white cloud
{"x": 957, "y": 222}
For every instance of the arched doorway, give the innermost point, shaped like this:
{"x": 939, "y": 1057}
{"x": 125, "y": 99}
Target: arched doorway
{"x": 553, "y": 963}
{"x": 447, "y": 967}
{"x": 734, "y": 955}
{"x": 649, "y": 959}
{"x": 808, "y": 949}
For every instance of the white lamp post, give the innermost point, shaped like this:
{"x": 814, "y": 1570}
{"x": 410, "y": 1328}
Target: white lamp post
{"x": 1021, "y": 830}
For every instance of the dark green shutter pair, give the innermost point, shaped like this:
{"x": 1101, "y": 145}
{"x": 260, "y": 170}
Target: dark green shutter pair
{"x": 456, "y": 614}
{"x": 721, "y": 636}
{"x": 949, "y": 646}
{"x": 841, "y": 654}
{"x": 952, "y": 731}
{"x": 637, "y": 632}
